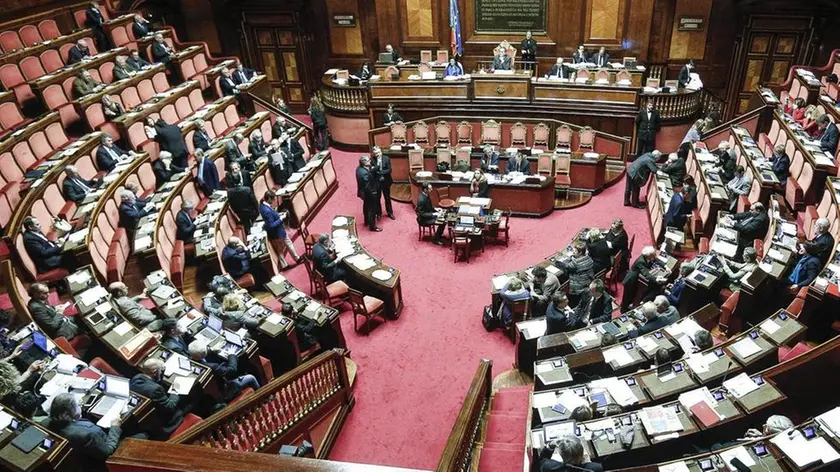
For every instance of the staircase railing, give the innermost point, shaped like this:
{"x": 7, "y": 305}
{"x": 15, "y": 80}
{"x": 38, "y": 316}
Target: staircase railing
{"x": 310, "y": 402}
{"x": 457, "y": 454}
{"x": 711, "y": 103}
{"x": 723, "y": 128}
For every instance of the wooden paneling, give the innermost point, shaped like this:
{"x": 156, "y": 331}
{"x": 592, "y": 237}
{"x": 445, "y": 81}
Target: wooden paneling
{"x": 202, "y": 23}
{"x": 690, "y": 44}
{"x": 345, "y": 41}
{"x": 605, "y": 21}
{"x": 418, "y": 20}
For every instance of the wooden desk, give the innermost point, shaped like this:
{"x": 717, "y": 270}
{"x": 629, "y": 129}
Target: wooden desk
{"x": 51, "y": 455}
{"x": 574, "y": 93}
{"x": 515, "y": 86}
{"x": 750, "y": 156}
{"x": 765, "y": 357}
{"x": 766, "y": 395}
{"x": 420, "y": 90}
{"x": 406, "y": 70}
{"x": 388, "y": 290}
{"x": 115, "y": 88}
{"x": 139, "y": 114}
{"x": 805, "y": 144}
{"x": 304, "y": 198}
{"x": 14, "y": 57}
{"x": 789, "y": 329}
{"x": 58, "y": 77}
{"x": 658, "y": 390}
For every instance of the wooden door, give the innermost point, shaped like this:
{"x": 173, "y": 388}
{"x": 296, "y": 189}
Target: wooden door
{"x": 770, "y": 46}
{"x": 278, "y": 51}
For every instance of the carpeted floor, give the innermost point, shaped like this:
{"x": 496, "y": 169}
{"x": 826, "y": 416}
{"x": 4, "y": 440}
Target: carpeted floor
{"x": 414, "y": 372}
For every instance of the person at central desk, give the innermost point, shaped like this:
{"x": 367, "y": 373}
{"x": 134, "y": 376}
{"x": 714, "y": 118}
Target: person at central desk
{"x": 426, "y": 214}
{"x": 395, "y": 55}
{"x": 678, "y": 209}
{"x": 580, "y": 269}
{"x": 558, "y": 70}
{"x": 579, "y": 57}
{"x": 168, "y": 407}
{"x": 573, "y": 457}
{"x": 501, "y": 61}
{"x": 655, "y": 319}
{"x": 326, "y": 262}
{"x": 479, "y": 187}
{"x": 490, "y": 158}
{"x": 454, "y": 69}
{"x": 735, "y": 271}
{"x": 518, "y": 163}
{"x": 602, "y": 59}
{"x": 595, "y": 306}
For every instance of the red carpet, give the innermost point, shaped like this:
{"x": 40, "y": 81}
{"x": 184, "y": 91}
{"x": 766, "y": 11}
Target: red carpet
{"x": 414, "y": 372}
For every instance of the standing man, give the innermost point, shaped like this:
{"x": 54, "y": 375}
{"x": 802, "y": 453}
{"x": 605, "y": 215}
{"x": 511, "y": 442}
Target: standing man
{"x": 368, "y": 191}
{"x": 94, "y": 20}
{"x": 637, "y": 176}
{"x": 685, "y": 74}
{"x": 383, "y": 170}
{"x": 275, "y": 229}
{"x": 647, "y": 124}
{"x": 529, "y": 51}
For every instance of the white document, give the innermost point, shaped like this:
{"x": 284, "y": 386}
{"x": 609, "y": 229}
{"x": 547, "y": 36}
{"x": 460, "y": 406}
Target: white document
{"x": 79, "y": 278}
{"x": 143, "y": 242}
{"x": 570, "y": 400}
{"x": 746, "y": 347}
{"x": 769, "y": 326}
{"x": 112, "y": 414}
{"x": 181, "y": 385}
{"x": 533, "y": 328}
{"x": 796, "y": 447}
{"x": 831, "y": 421}
{"x": 660, "y": 420}
{"x": 122, "y": 328}
{"x": 543, "y": 400}
{"x": 647, "y": 344}
{"x": 5, "y": 419}
{"x": 675, "y": 467}
{"x": 621, "y": 392}
{"x": 68, "y": 364}
{"x": 164, "y": 291}
{"x": 689, "y": 326}
{"x": 741, "y": 453}
{"x": 89, "y": 296}
{"x": 740, "y": 385}
{"x": 274, "y": 318}
{"x": 619, "y": 355}
{"x": 698, "y": 363}
{"x": 172, "y": 365}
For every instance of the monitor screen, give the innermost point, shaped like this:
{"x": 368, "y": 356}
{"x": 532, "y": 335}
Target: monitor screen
{"x": 116, "y": 386}
{"x": 232, "y": 338}
{"x": 467, "y": 221}
{"x": 40, "y": 340}
{"x": 214, "y": 323}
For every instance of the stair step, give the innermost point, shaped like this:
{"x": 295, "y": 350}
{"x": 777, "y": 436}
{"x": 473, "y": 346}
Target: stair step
{"x": 495, "y": 460}
{"x": 502, "y": 446}
{"x": 512, "y": 400}
{"x": 506, "y": 428}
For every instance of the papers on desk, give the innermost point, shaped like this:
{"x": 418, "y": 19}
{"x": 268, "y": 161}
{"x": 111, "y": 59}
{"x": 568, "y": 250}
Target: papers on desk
{"x": 533, "y": 328}
{"x": 68, "y": 364}
{"x": 78, "y": 236}
{"x": 675, "y": 467}
{"x": 468, "y": 210}
{"x": 274, "y": 318}
{"x": 79, "y": 278}
{"x": 500, "y": 281}
{"x": 173, "y": 365}
{"x": 725, "y": 248}
{"x": 619, "y": 355}
{"x": 740, "y": 385}
{"x": 660, "y": 420}
{"x": 700, "y": 395}
{"x": 113, "y": 413}
{"x": 164, "y": 291}
{"x": 740, "y": 453}
{"x": 647, "y": 344}
{"x": 156, "y": 277}
{"x": 823, "y": 159}
{"x": 339, "y": 221}
{"x": 699, "y": 363}
{"x": 340, "y": 234}
{"x": 569, "y": 400}
{"x": 746, "y": 347}
{"x": 583, "y": 337}
{"x": 543, "y": 399}
{"x": 181, "y": 385}
{"x": 803, "y": 451}
{"x": 621, "y": 392}
{"x": 142, "y": 243}
{"x": 122, "y": 328}
{"x": 831, "y": 422}
{"x": 558, "y": 430}
{"x": 726, "y": 233}
{"x": 769, "y": 326}
{"x": 361, "y": 261}
{"x": 382, "y": 275}
{"x": 5, "y": 419}
{"x": 91, "y": 295}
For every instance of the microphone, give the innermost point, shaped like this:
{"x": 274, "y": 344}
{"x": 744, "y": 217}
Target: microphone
{"x": 725, "y": 374}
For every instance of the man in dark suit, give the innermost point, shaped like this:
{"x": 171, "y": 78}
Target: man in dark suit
{"x": 236, "y": 258}
{"x": 489, "y": 158}
{"x": 294, "y": 150}
{"x": 50, "y": 319}
{"x": 391, "y": 115}
{"x": 161, "y": 52}
{"x": 382, "y": 167}
{"x": 131, "y": 212}
{"x": 750, "y": 225}
{"x": 637, "y": 176}
{"x": 234, "y": 155}
{"x": 164, "y": 169}
{"x": 243, "y": 202}
{"x": 647, "y": 124}
{"x": 78, "y": 52}
{"x": 675, "y": 168}
{"x": 579, "y": 56}
{"x": 174, "y": 338}
{"x": 678, "y": 209}
{"x": 135, "y": 62}
{"x": 518, "y": 163}
{"x": 280, "y": 127}
{"x": 528, "y": 46}
{"x": 201, "y": 139}
{"x": 595, "y": 305}
{"x": 673, "y": 291}
{"x": 140, "y": 27}
{"x": 823, "y": 241}
{"x": 326, "y": 261}
{"x": 75, "y": 187}
{"x": 227, "y": 84}
{"x": 171, "y": 140}
{"x": 368, "y": 190}
{"x": 559, "y": 316}
{"x": 44, "y": 253}
{"x": 685, "y": 74}
{"x": 571, "y": 455}
{"x": 85, "y": 85}
{"x": 95, "y": 21}
{"x": 559, "y": 70}
{"x": 653, "y": 321}
{"x": 502, "y": 61}
{"x": 781, "y": 165}
{"x": 426, "y": 214}
{"x": 829, "y": 135}
{"x": 257, "y": 146}
{"x": 91, "y": 444}
{"x": 807, "y": 269}
{"x": 226, "y": 371}
{"x": 121, "y": 69}
{"x": 184, "y": 225}
{"x": 601, "y": 59}
{"x": 109, "y": 155}
{"x": 207, "y": 175}
{"x": 236, "y": 177}
{"x": 641, "y": 268}
{"x": 168, "y": 407}
{"x": 395, "y": 55}
{"x": 242, "y": 75}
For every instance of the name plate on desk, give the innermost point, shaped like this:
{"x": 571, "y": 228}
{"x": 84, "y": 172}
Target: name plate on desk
{"x": 507, "y": 87}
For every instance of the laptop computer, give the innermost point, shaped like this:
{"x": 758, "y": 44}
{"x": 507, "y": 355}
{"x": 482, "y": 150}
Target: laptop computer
{"x": 116, "y": 386}
{"x": 386, "y": 58}
{"x": 233, "y": 338}
{"x": 466, "y": 221}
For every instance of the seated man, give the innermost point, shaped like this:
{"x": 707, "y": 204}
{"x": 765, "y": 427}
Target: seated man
{"x": 641, "y": 268}
{"x": 228, "y": 86}
{"x": 514, "y": 291}
{"x": 184, "y": 225}
{"x": 726, "y": 161}
{"x": 678, "y": 209}
{"x": 51, "y": 319}
{"x": 426, "y": 214}
{"x": 166, "y": 406}
{"x": 234, "y": 315}
{"x": 201, "y": 139}
{"x": 807, "y": 269}
{"x": 133, "y": 311}
{"x": 654, "y": 321}
{"x": 140, "y": 27}
{"x": 823, "y": 241}
{"x": 78, "y": 52}
{"x": 501, "y": 61}
{"x": 738, "y": 186}
{"x": 750, "y": 225}
{"x": 109, "y": 155}
{"x": 45, "y": 253}
{"x": 829, "y": 134}
{"x": 664, "y": 309}
{"x": 518, "y": 163}
{"x": 542, "y": 289}
{"x": 85, "y": 85}
{"x": 75, "y": 187}
{"x": 559, "y": 317}
{"x": 580, "y": 55}
{"x": 775, "y": 424}
{"x": 280, "y": 127}
{"x": 673, "y": 291}
{"x": 211, "y": 304}
{"x": 572, "y": 456}
{"x": 135, "y": 62}
{"x": 161, "y": 51}
{"x": 781, "y": 165}
{"x": 257, "y": 146}
{"x": 595, "y": 306}
{"x": 242, "y": 75}
{"x": 559, "y": 70}
{"x": 226, "y": 371}
{"x": 601, "y": 58}
{"x": 736, "y": 271}
{"x": 325, "y": 260}
{"x": 236, "y": 258}
{"x": 489, "y": 158}
{"x": 122, "y": 70}
{"x": 703, "y": 340}
{"x": 174, "y": 337}
{"x": 138, "y": 192}
{"x": 164, "y": 169}
{"x": 675, "y": 168}
{"x": 131, "y": 212}
{"x": 92, "y": 445}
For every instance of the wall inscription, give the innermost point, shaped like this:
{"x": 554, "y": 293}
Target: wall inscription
{"x": 502, "y": 16}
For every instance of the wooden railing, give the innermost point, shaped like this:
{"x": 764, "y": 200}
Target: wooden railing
{"x": 314, "y": 396}
{"x": 711, "y": 103}
{"x": 348, "y": 99}
{"x": 266, "y": 104}
{"x": 458, "y": 452}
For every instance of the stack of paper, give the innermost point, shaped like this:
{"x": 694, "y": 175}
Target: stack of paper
{"x": 660, "y": 420}
{"x": 740, "y": 385}
{"x": 647, "y": 344}
{"x": 803, "y": 451}
{"x": 769, "y": 326}
{"x": 619, "y": 355}
{"x": 830, "y": 421}
{"x": 746, "y": 347}
{"x": 621, "y": 392}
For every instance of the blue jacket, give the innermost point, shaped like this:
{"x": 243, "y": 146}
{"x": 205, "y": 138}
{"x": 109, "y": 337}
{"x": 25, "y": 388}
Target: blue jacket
{"x": 274, "y": 227}
{"x": 237, "y": 262}
{"x": 92, "y": 444}
{"x": 829, "y": 138}
{"x": 677, "y": 214}
{"x": 676, "y": 291}
{"x": 130, "y": 215}
{"x": 805, "y": 271}
{"x": 208, "y": 176}
{"x": 185, "y": 227}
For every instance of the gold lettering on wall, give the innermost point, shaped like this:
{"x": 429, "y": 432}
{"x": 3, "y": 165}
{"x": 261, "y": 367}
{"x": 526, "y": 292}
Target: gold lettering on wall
{"x": 690, "y": 44}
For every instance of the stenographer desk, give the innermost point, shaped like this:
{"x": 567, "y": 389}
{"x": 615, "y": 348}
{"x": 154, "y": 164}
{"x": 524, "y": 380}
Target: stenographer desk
{"x": 523, "y": 199}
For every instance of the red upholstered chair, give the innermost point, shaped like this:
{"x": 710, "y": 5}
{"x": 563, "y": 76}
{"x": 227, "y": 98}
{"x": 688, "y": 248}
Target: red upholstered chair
{"x": 80, "y": 344}
{"x": 541, "y": 134}
{"x": 729, "y": 323}
{"x": 13, "y": 80}
{"x": 144, "y": 90}
{"x": 51, "y": 276}
{"x": 10, "y": 116}
{"x": 106, "y": 72}
{"x": 10, "y": 41}
{"x": 333, "y": 294}
{"x": 190, "y": 420}
{"x": 105, "y": 367}
{"x": 268, "y": 371}
{"x": 49, "y": 29}
{"x": 464, "y": 132}
{"x": 160, "y": 83}
{"x": 197, "y": 100}
{"x": 587, "y": 139}
{"x": 420, "y": 130}
{"x": 31, "y": 68}
{"x": 786, "y": 353}
{"x": 518, "y": 134}
{"x": 563, "y": 138}
{"x": 444, "y": 200}
{"x": 398, "y": 133}
{"x": 544, "y": 163}
{"x": 491, "y": 132}
{"x": 367, "y": 307}
{"x": 442, "y": 133}
{"x": 562, "y": 170}
{"x": 504, "y": 228}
